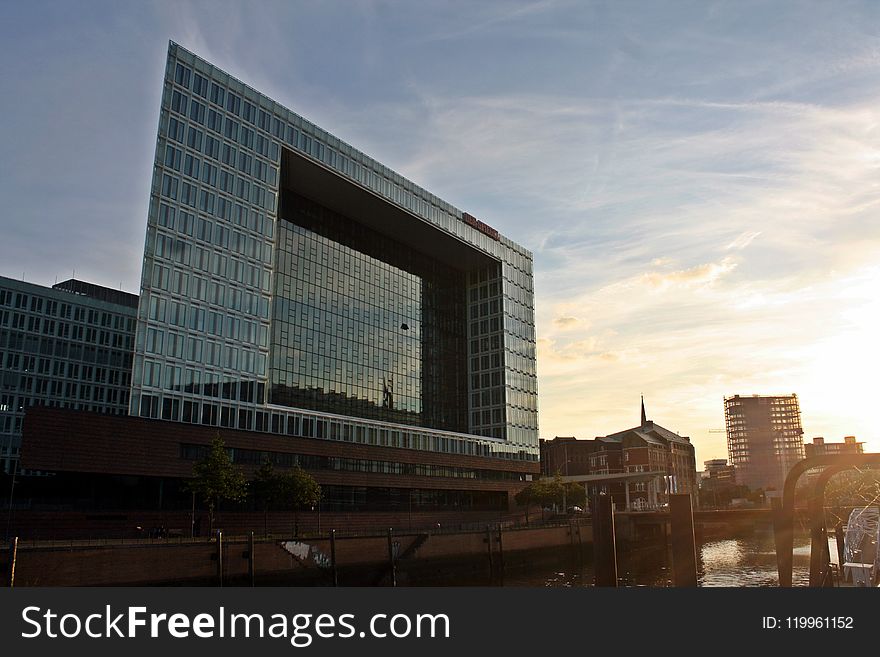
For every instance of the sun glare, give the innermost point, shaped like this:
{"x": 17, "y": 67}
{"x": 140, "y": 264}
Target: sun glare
{"x": 842, "y": 370}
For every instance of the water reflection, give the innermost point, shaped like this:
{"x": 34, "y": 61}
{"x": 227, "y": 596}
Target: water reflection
{"x": 731, "y": 562}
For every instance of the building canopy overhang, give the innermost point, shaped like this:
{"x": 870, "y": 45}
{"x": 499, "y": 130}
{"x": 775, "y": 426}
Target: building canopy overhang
{"x": 320, "y": 184}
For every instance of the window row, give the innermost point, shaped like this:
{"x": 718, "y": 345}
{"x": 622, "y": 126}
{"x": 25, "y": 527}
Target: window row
{"x": 201, "y": 351}
{"x": 218, "y": 235}
{"x": 204, "y": 320}
{"x": 185, "y": 162}
{"x": 14, "y": 362}
{"x": 37, "y": 325}
{"x": 208, "y": 202}
{"x": 374, "y": 437}
{"x": 203, "y": 384}
{"x": 206, "y": 290}
{"x": 39, "y": 389}
{"x": 52, "y": 308}
{"x": 64, "y": 349}
{"x": 229, "y": 268}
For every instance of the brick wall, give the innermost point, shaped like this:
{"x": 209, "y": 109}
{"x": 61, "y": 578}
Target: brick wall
{"x": 195, "y": 562}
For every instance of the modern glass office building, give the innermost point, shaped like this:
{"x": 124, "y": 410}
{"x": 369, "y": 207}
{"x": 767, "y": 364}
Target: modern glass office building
{"x": 293, "y": 285}
{"x": 69, "y": 346}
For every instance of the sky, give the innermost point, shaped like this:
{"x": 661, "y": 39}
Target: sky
{"x": 698, "y": 181}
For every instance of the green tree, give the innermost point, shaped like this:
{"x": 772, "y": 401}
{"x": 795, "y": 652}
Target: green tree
{"x": 216, "y": 479}
{"x": 553, "y": 490}
{"x": 528, "y": 496}
{"x": 266, "y": 489}
{"x": 546, "y": 492}
{"x": 298, "y": 490}
{"x": 576, "y": 495}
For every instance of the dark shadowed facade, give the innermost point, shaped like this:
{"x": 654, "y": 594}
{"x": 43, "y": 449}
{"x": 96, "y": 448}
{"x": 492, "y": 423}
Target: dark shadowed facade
{"x": 68, "y": 346}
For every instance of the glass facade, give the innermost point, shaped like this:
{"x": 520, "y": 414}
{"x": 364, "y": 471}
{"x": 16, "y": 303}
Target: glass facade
{"x": 61, "y": 347}
{"x": 249, "y": 311}
{"x": 364, "y": 326}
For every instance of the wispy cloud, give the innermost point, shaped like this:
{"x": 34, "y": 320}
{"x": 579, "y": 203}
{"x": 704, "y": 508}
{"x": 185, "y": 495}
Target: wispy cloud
{"x": 705, "y": 274}
{"x": 743, "y": 240}
{"x": 567, "y": 322}
{"x": 698, "y": 181}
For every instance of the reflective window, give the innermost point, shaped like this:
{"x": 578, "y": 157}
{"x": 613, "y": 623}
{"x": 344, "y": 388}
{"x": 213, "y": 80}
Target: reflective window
{"x": 350, "y": 313}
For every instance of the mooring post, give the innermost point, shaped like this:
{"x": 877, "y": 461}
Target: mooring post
{"x": 604, "y": 544}
{"x": 220, "y": 558}
{"x": 684, "y": 549}
{"x": 333, "y": 557}
{"x": 783, "y": 538}
{"x": 500, "y": 557}
{"x": 839, "y": 534}
{"x": 818, "y": 552}
{"x": 13, "y": 555}
{"x": 489, "y": 553}
{"x": 827, "y": 572}
{"x": 251, "y": 566}
{"x": 580, "y": 549}
{"x": 391, "y": 561}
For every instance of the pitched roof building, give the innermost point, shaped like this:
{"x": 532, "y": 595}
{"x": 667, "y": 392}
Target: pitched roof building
{"x": 647, "y": 447}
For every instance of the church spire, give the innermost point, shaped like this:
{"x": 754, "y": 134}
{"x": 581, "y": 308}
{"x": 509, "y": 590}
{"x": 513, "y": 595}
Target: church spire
{"x": 644, "y": 417}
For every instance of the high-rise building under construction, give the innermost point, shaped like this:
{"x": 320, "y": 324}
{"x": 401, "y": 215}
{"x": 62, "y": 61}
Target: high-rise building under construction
{"x": 764, "y": 438}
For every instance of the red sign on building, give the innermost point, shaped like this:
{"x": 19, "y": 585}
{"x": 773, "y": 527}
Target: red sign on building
{"x": 486, "y": 229}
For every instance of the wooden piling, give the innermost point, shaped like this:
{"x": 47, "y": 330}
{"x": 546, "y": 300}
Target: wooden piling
{"x": 604, "y": 544}
{"x": 219, "y": 558}
{"x": 500, "y": 557}
{"x": 489, "y": 554}
{"x": 391, "y": 560}
{"x": 13, "y": 556}
{"x": 251, "y": 567}
{"x": 839, "y": 533}
{"x": 684, "y": 550}
{"x": 333, "y": 557}
{"x": 783, "y": 535}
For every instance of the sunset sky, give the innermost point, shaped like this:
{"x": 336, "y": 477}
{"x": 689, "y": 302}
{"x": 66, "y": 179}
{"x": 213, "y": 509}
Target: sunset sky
{"x": 699, "y": 182}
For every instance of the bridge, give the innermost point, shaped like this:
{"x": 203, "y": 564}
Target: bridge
{"x": 655, "y": 485}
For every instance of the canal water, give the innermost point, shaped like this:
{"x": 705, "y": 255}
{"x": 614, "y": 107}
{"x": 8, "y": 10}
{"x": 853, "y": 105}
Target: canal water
{"x": 738, "y": 562}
